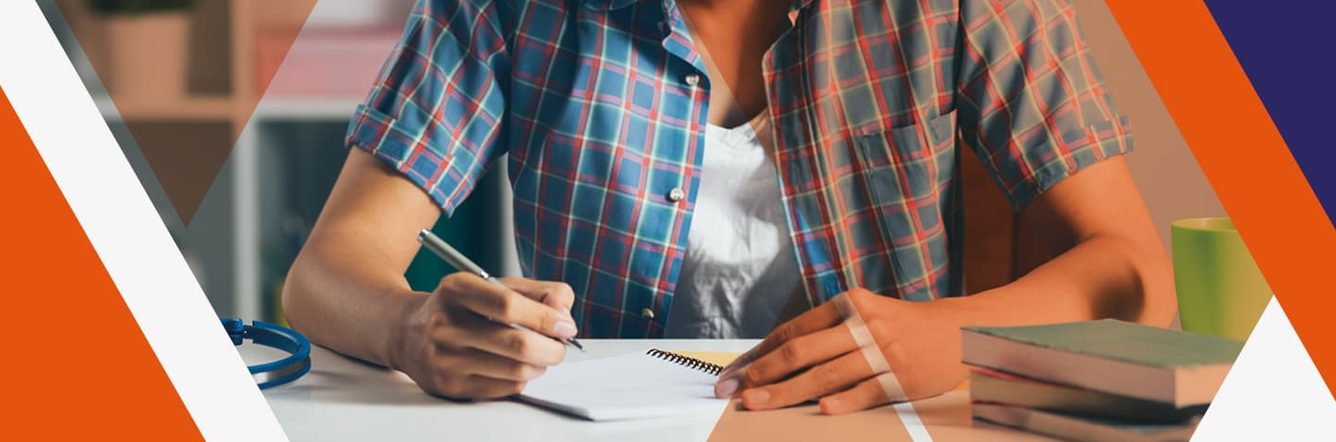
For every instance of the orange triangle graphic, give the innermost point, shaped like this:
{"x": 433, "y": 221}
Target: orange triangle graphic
{"x": 82, "y": 368}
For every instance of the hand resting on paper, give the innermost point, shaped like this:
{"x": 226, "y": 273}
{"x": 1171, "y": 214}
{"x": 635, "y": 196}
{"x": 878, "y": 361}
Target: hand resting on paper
{"x": 816, "y": 356}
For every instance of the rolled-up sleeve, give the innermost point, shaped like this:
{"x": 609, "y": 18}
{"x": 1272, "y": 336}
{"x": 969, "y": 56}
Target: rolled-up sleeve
{"x": 437, "y": 108}
{"x": 1030, "y": 100}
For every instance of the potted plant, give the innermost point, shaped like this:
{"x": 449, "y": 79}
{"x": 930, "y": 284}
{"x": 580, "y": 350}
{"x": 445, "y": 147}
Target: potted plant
{"x": 145, "y": 45}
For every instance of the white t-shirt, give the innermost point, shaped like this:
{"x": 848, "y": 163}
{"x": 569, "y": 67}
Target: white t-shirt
{"x": 739, "y": 268}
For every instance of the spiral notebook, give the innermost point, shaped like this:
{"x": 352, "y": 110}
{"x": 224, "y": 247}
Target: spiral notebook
{"x": 652, "y": 384}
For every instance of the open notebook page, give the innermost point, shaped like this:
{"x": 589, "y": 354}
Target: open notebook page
{"x": 630, "y": 386}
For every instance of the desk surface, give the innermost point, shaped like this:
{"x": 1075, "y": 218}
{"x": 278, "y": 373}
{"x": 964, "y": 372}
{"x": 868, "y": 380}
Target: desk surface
{"x": 344, "y": 399}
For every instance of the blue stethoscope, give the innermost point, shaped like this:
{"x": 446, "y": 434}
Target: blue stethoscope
{"x": 282, "y": 371}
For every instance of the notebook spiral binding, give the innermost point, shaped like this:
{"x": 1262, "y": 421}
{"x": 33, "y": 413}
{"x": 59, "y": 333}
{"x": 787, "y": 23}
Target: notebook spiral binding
{"x": 686, "y": 361}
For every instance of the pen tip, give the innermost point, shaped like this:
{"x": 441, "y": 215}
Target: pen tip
{"x": 576, "y": 344}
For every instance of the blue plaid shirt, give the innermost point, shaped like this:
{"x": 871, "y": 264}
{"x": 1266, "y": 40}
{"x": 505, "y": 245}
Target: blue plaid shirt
{"x": 601, "y": 106}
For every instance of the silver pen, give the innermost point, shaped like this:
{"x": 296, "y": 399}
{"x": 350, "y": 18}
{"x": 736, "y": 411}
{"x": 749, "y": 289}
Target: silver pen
{"x": 457, "y": 260}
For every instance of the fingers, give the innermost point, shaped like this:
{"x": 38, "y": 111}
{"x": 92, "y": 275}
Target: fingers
{"x": 555, "y": 294}
{"x": 865, "y": 395}
{"x": 519, "y": 345}
{"x": 501, "y": 304}
{"x": 485, "y": 340}
{"x": 481, "y": 363}
{"x": 792, "y": 357}
{"x": 819, "y": 318}
{"x": 811, "y": 384}
{"x": 798, "y": 354}
{"x": 479, "y": 387}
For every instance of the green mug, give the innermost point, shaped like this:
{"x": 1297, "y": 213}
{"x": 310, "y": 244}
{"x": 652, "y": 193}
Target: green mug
{"x": 1220, "y": 290}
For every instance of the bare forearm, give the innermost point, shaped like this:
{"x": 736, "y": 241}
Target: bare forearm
{"x": 1101, "y": 277}
{"x": 343, "y": 303}
{"x": 346, "y": 289}
{"x": 1109, "y": 259}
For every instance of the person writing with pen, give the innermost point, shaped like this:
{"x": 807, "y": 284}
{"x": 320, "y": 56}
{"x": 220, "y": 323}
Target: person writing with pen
{"x": 728, "y": 169}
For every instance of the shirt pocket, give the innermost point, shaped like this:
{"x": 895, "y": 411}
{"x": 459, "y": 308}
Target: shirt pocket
{"x": 908, "y": 171}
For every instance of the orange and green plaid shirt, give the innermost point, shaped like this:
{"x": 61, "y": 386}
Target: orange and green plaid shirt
{"x": 602, "y": 104}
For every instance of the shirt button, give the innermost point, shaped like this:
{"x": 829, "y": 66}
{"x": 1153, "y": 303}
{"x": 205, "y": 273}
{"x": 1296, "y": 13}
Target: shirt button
{"x": 647, "y": 312}
{"x": 692, "y": 79}
{"x": 676, "y": 194}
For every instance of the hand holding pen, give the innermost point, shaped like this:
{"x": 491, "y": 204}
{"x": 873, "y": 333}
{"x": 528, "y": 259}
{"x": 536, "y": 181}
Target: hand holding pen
{"x": 462, "y": 263}
{"x": 478, "y": 337}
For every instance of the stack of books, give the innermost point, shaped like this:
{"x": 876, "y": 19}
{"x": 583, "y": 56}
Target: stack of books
{"x": 1104, "y": 380}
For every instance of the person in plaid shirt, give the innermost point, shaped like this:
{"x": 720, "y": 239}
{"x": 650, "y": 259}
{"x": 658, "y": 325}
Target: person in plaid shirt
{"x": 688, "y": 168}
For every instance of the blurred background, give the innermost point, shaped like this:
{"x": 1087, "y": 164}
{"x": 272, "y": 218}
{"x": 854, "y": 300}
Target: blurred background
{"x": 207, "y": 81}
{"x": 260, "y": 94}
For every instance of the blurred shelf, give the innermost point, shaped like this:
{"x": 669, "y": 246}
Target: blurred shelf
{"x": 225, "y": 109}
{"x": 306, "y": 109}
{"x": 287, "y": 104}
{"x": 288, "y": 148}
{"x": 183, "y": 109}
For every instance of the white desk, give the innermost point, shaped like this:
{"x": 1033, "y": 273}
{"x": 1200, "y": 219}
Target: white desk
{"x": 344, "y": 399}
